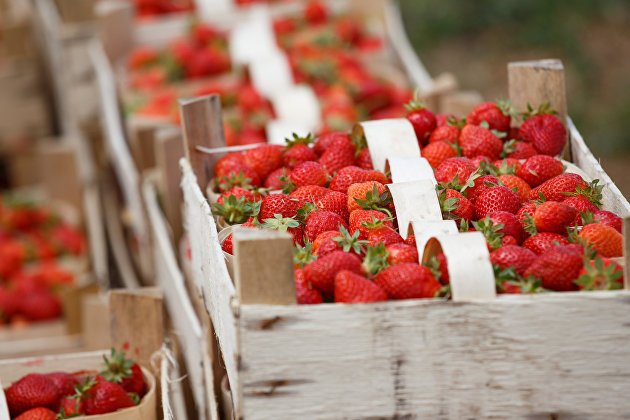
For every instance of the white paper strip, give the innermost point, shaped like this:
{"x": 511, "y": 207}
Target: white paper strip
{"x": 424, "y": 230}
{"x": 279, "y": 130}
{"x": 209, "y": 9}
{"x": 414, "y": 200}
{"x": 407, "y": 169}
{"x": 389, "y": 138}
{"x": 272, "y": 73}
{"x": 299, "y": 105}
{"x": 253, "y": 37}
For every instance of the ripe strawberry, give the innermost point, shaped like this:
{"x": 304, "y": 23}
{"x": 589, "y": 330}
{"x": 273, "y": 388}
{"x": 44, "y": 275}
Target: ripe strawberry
{"x": 608, "y": 218}
{"x": 364, "y": 160}
{"x": 264, "y": 159}
{"x": 323, "y": 240}
{"x": 359, "y": 217}
{"x": 513, "y": 256}
{"x": 365, "y": 192}
{"x": 545, "y": 132}
{"x": 321, "y": 272}
{"x": 507, "y": 166}
{"x": 480, "y": 185}
{"x": 354, "y": 288}
{"x": 226, "y": 162}
{"x": 497, "y": 115}
{"x": 380, "y": 233}
{"x": 310, "y": 193}
{"x": 237, "y": 192}
{"x": 411, "y": 240}
{"x": 33, "y": 390}
{"x": 459, "y": 167}
{"x": 40, "y": 306}
{"x": 227, "y": 245}
{"x": 514, "y": 182}
{"x": 64, "y": 382}
{"x": 480, "y": 141}
{"x": 600, "y": 274}
{"x": 353, "y": 175}
{"x": 401, "y": 253}
{"x": 105, "y": 397}
{"x": 125, "y": 372}
{"x": 422, "y": 120}
{"x": 9, "y": 303}
{"x": 309, "y": 173}
{"x": 437, "y": 152}
{"x": 544, "y": 241}
{"x": 286, "y": 224}
{"x": 603, "y": 239}
{"x": 38, "y": 413}
{"x": 581, "y": 204}
{"x": 519, "y": 150}
{"x": 497, "y": 198}
{"x": 539, "y": 168}
{"x": 71, "y": 406}
{"x": 511, "y": 224}
{"x": 315, "y": 12}
{"x": 445, "y": 133}
{"x": 554, "y": 189}
{"x": 336, "y": 202}
{"x": 447, "y": 119}
{"x": 282, "y": 204}
{"x": 320, "y": 221}
{"x": 238, "y": 176}
{"x": 340, "y": 153}
{"x": 298, "y": 154}
{"x": 552, "y": 216}
{"x": 407, "y": 281}
{"x": 273, "y": 181}
{"x": 325, "y": 141}
{"x": 557, "y": 267}
{"x": 304, "y": 292}
{"x": 455, "y": 206}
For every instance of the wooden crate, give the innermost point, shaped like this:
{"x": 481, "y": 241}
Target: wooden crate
{"x": 556, "y": 355}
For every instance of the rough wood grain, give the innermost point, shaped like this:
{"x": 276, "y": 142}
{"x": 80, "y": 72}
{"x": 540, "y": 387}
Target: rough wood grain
{"x": 168, "y": 151}
{"x": 264, "y": 267}
{"x": 514, "y": 357}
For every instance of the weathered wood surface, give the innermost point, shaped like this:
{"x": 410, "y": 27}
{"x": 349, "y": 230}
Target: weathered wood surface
{"x": 515, "y": 357}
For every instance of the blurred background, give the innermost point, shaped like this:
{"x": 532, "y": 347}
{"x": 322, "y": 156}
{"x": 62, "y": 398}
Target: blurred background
{"x": 475, "y": 40}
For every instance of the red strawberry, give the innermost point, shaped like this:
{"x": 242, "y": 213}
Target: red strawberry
{"x": 364, "y": 160}
{"x": 40, "y": 306}
{"x": 496, "y": 115}
{"x": 238, "y": 176}
{"x": 236, "y": 192}
{"x": 480, "y": 141}
{"x": 545, "y": 132}
{"x": 401, "y": 253}
{"x": 544, "y": 241}
{"x": 286, "y": 224}
{"x": 411, "y": 240}
{"x": 481, "y": 184}
{"x": 511, "y": 224}
{"x": 519, "y": 150}
{"x": 361, "y": 191}
{"x": 321, "y": 272}
{"x": 273, "y": 180}
{"x": 324, "y": 243}
{"x": 353, "y": 288}
{"x": 264, "y": 159}
{"x": 353, "y": 175}
{"x": 324, "y": 142}
{"x": 407, "y": 281}
{"x": 422, "y": 120}
{"x": 603, "y": 239}
{"x": 539, "y": 168}
{"x": 600, "y": 274}
{"x": 282, "y": 204}
{"x": 497, "y": 198}
{"x": 554, "y": 189}
{"x": 123, "y": 371}
{"x": 438, "y": 152}
{"x": 359, "y": 217}
{"x": 226, "y": 162}
{"x": 309, "y": 173}
{"x": 508, "y": 166}
{"x": 445, "y": 133}
{"x": 304, "y": 292}
{"x": 72, "y": 406}
{"x": 316, "y": 12}
{"x": 552, "y": 216}
{"x": 227, "y": 245}
{"x": 557, "y": 267}
{"x": 336, "y": 202}
{"x": 320, "y": 221}
{"x": 517, "y": 184}
{"x": 339, "y": 154}
{"x": 455, "y": 206}
{"x": 9, "y": 304}
{"x": 106, "y": 397}
{"x": 33, "y": 390}
{"x": 39, "y": 413}
{"x": 310, "y": 193}
{"x": 64, "y": 382}
{"x": 609, "y": 218}
{"x": 459, "y": 166}
{"x": 513, "y": 256}
{"x": 581, "y": 204}
{"x": 379, "y": 233}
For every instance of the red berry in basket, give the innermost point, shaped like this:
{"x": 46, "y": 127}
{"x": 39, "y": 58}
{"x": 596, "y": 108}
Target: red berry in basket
{"x": 309, "y": 173}
{"x": 39, "y": 413}
{"x": 324, "y": 142}
{"x": 511, "y": 224}
{"x": 336, "y": 202}
{"x": 455, "y": 206}
{"x": 237, "y": 192}
{"x": 310, "y": 193}
{"x": 353, "y": 288}
{"x": 226, "y": 162}
{"x": 125, "y": 372}
{"x": 609, "y": 218}
{"x": 340, "y": 153}
{"x": 459, "y": 167}
{"x": 422, "y": 120}
{"x": 367, "y": 193}
{"x": 552, "y": 216}
{"x": 497, "y": 198}
{"x": 603, "y": 239}
{"x": 64, "y": 382}
{"x": 238, "y": 176}
{"x": 9, "y": 304}
{"x": 298, "y": 154}
{"x": 519, "y": 150}
{"x": 380, "y": 233}
{"x": 479, "y": 141}
{"x": 286, "y": 224}
{"x": 497, "y": 115}
{"x": 516, "y": 184}
{"x": 407, "y": 281}
{"x": 325, "y": 240}
{"x": 513, "y": 256}
{"x": 264, "y": 159}
{"x": 320, "y": 221}
{"x": 445, "y": 133}
{"x": 544, "y": 241}
{"x": 437, "y": 152}
{"x": 354, "y": 175}
{"x": 581, "y": 204}
{"x": 321, "y": 272}
{"x": 71, "y": 406}
{"x": 557, "y": 267}
{"x": 358, "y": 218}
{"x": 33, "y": 390}
{"x": 282, "y": 204}
{"x": 545, "y": 132}
{"x": 304, "y": 292}
{"x": 600, "y": 274}
{"x": 539, "y": 168}
{"x": 274, "y": 181}
{"x": 316, "y": 12}
{"x": 480, "y": 185}
{"x": 401, "y": 253}
{"x": 40, "y": 306}
{"x": 554, "y": 189}
{"x": 105, "y": 397}
{"x": 364, "y": 160}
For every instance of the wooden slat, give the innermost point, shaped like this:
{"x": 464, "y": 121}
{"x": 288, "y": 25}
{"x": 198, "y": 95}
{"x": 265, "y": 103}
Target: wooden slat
{"x": 168, "y": 151}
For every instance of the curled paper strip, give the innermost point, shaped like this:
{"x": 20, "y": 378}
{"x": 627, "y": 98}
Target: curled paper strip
{"x": 271, "y": 74}
{"x": 414, "y": 200}
{"x": 388, "y": 138}
{"x": 469, "y": 268}
{"x": 299, "y": 105}
{"x": 424, "y": 230}
{"x": 252, "y": 37}
{"x": 406, "y": 169}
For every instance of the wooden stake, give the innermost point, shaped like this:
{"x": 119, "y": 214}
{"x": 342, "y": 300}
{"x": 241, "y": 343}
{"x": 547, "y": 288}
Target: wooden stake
{"x": 59, "y": 172}
{"x": 202, "y": 125}
{"x": 264, "y": 267}
{"x": 168, "y": 151}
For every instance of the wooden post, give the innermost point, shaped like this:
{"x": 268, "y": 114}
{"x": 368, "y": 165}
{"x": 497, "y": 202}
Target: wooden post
{"x": 59, "y": 172}
{"x": 264, "y": 267}
{"x": 168, "y": 150}
{"x": 626, "y": 252}
{"x": 137, "y": 322}
{"x": 202, "y": 125}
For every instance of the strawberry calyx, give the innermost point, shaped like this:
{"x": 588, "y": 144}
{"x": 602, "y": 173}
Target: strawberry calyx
{"x": 287, "y": 186}
{"x": 508, "y": 147}
{"x": 280, "y": 223}
{"x": 506, "y": 107}
{"x": 599, "y": 276}
{"x": 454, "y": 122}
{"x": 303, "y": 255}
{"x": 227, "y": 182}
{"x": 236, "y": 210}
{"x": 464, "y": 226}
{"x": 375, "y": 223}
{"x": 304, "y": 211}
{"x": 541, "y": 110}
{"x": 296, "y": 139}
{"x": 352, "y": 242}
{"x": 375, "y": 259}
{"x": 376, "y": 201}
{"x": 415, "y": 104}
{"x": 497, "y": 133}
{"x": 433, "y": 264}
{"x": 530, "y": 225}
{"x": 490, "y": 231}
{"x": 117, "y": 367}
{"x": 359, "y": 141}
{"x": 592, "y": 192}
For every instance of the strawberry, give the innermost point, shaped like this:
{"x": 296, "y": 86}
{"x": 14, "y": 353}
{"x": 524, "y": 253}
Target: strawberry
{"x": 9, "y": 304}
{"x": 354, "y": 288}
{"x": 354, "y": 175}
{"x": 366, "y": 195}
{"x": 401, "y": 253}
{"x": 359, "y": 217}
{"x": 539, "y": 168}
{"x": 309, "y": 173}
{"x": 407, "y": 281}
{"x": 238, "y": 176}
{"x": 227, "y": 245}
{"x": 438, "y": 152}
{"x": 282, "y": 204}
{"x": 513, "y": 256}
{"x": 237, "y": 192}
{"x": 518, "y": 149}
{"x": 459, "y": 167}
{"x": 340, "y": 153}
{"x": 315, "y": 12}
{"x": 581, "y": 204}
{"x": 545, "y": 132}
{"x": 445, "y": 133}
{"x": 274, "y": 181}
{"x": 603, "y": 239}
{"x": 480, "y": 141}
{"x": 511, "y": 224}
{"x": 320, "y": 221}
{"x": 507, "y": 166}
{"x": 264, "y": 159}
{"x": 325, "y": 239}
{"x": 552, "y": 216}
{"x": 608, "y": 218}
{"x": 226, "y": 162}
{"x": 286, "y": 224}
{"x": 71, "y": 406}
{"x": 555, "y": 189}
{"x": 411, "y": 240}
{"x": 364, "y": 160}
{"x": 324, "y": 142}
{"x": 497, "y": 198}
{"x": 557, "y": 267}
{"x": 455, "y": 206}
{"x": 310, "y": 193}
{"x": 33, "y": 390}
{"x": 235, "y": 210}
{"x": 40, "y": 306}
{"x": 422, "y": 120}
{"x": 123, "y": 371}
{"x": 64, "y": 382}
{"x": 497, "y": 115}
{"x": 543, "y": 241}
{"x": 105, "y": 397}
{"x": 39, "y": 413}
{"x": 321, "y": 272}
{"x": 336, "y": 202}
{"x": 304, "y": 292}
{"x": 378, "y": 232}
{"x": 600, "y": 274}
{"x": 480, "y": 185}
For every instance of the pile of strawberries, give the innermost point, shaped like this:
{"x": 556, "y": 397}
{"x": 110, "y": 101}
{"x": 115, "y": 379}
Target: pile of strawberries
{"x": 62, "y": 395}
{"x": 544, "y": 227}
{"x": 32, "y": 238}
